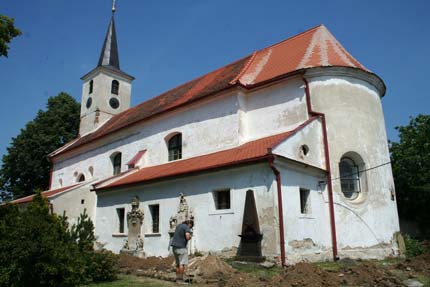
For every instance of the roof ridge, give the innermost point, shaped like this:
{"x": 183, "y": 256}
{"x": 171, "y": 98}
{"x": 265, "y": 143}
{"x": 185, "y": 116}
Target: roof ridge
{"x": 293, "y": 37}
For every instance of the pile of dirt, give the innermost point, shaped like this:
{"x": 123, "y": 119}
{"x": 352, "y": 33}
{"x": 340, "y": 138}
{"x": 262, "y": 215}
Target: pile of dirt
{"x": 132, "y": 265}
{"x": 420, "y": 264}
{"x": 305, "y": 274}
{"x": 368, "y": 273}
{"x": 209, "y": 267}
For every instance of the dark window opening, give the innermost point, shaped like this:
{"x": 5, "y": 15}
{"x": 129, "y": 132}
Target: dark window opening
{"x": 91, "y": 87}
{"x": 175, "y": 147}
{"x": 116, "y": 162}
{"x": 121, "y": 216}
{"x": 222, "y": 199}
{"x": 349, "y": 178}
{"x": 114, "y": 103}
{"x": 115, "y": 87}
{"x": 305, "y": 202}
{"x": 155, "y": 215}
{"x": 81, "y": 178}
{"x": 82, "y": 201}
{"x": 89, "y": 102}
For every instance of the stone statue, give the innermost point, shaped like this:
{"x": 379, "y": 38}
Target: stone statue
{"x": 183, "y": 213}
{"x": 134, "y": 244}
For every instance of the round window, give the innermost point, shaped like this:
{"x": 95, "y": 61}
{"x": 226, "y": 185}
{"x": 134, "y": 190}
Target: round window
{"x": 89, "y": 102}
{"x": 114, "y": 103}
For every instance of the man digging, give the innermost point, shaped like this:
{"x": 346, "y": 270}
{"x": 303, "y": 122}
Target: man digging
{"x": 180, "y": 239}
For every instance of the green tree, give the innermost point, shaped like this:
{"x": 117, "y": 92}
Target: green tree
{"x": 410, "y": 159}
{"x": 38, "y": 249}
{"x": 8, "y": 31}
{"x": 25, "y": 166}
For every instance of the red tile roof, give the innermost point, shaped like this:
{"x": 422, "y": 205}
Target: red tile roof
{"x": 47, "y": 194}
{"x": 314, "y": 48}
{"x": 249, "y": 152}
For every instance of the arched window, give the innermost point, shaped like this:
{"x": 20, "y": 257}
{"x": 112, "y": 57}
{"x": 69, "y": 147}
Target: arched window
{"x": 81, "y": 177}
{"x": 115, "y": 87}
{"x": 175, "y": 147}
{"x": 91, "y": 87}
{"x": 116, "y": 163}
{"x": 349, "y": 178}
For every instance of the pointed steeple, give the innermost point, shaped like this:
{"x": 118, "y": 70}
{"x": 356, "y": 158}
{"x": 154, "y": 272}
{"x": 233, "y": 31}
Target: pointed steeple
{"x": 109, "y": 55}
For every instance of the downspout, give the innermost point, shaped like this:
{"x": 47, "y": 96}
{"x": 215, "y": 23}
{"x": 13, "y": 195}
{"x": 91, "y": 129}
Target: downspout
{"x": 327, "y": 163}
{"x": 280, "y": 211}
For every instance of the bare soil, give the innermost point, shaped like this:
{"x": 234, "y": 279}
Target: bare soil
{"x": 213, "y": 271}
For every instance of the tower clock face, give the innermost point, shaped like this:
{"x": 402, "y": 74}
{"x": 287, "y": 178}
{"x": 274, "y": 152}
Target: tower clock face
{"x": 114, "y": 103}
{"x": 89, "y": 102}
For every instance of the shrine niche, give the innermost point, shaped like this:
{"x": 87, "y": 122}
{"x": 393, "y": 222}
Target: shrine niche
{"x": 134, "y": 244}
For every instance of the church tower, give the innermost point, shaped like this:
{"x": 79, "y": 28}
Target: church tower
{"x": 106, "y": 89}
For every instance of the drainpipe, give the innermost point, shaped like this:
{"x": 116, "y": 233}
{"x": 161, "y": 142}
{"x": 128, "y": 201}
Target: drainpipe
{"x": 281, "y": 214}
{"x": 327, "y": 163}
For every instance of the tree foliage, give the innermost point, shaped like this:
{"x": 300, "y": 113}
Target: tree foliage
{"x": 38, "y": 249}
{"x": 25, "y": 166}
{"x": 410, "y": 159}
{"x": 8, "y": 31}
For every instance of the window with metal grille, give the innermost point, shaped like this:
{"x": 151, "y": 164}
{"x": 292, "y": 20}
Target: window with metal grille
{"x": 115, "y": 87}
{"x": 305, "y": 201}
{"x": 222, "y": 199}
{"x": 175, "y": 147}
{"x": 349, "y": 178}
{"x": 154, "y": 209}
{"x": 116, "y": 163}
{"x": 121, "y": 217}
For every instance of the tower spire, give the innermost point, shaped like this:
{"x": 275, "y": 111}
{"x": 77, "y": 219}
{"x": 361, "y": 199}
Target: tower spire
{"x": 109, "y": 54}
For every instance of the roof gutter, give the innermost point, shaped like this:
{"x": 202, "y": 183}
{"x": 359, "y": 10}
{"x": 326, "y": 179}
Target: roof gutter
{"x": 311, "y": 112}
{"x": 280, "y": 209}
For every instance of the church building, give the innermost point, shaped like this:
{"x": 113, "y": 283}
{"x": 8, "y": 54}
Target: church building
{"x": 281, "y": 155}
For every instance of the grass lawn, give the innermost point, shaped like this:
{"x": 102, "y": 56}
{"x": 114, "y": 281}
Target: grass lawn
{"x": 132, "y": 281}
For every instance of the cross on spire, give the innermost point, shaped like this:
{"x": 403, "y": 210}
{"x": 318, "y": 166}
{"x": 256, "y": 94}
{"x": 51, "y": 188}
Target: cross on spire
{"x": 113, "y": 6}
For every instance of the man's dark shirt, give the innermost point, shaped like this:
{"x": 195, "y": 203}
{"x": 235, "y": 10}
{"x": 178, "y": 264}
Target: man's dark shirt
{"x": 179, "y": 239}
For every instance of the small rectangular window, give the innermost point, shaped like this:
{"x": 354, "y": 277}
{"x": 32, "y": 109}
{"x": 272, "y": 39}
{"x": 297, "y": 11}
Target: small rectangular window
{"x": 121, "y": 216}
{"x": 305, "y": 202}
{"x": 222, "y": 199}
{"x": 155, "y": 216}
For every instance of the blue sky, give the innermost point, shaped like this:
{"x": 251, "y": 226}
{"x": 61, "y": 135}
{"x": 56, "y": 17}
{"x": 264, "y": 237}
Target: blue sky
{"x": 165, "y": 43}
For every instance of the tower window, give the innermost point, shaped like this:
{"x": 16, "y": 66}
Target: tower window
{"x": 349, "y": 178}
{"x": 90, "y": 91}
{"x": 115, "y": 87}
{"x": 114, "y": 103}
{"x": 116, "y": 163}
{"x": 175, "y": 147}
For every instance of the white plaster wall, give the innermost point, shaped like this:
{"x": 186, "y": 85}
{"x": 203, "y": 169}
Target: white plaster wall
{"x": 307, "y": 236}
{"x": 215, "y": 230}
{"x": 273, "y": 110}
{"x": 311, "y": 136}
{"x": 204, "y": 129}
{"x": 355, "y": 122}
{"x": 70, "y": 202}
